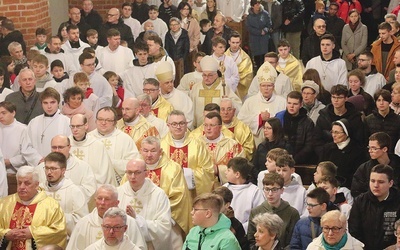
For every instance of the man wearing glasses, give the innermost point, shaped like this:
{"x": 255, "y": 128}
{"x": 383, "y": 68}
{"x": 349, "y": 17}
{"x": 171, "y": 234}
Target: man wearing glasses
{"x": 120, "y": 146}
{"x": 87, "y": 148}
{"x": 378, "y": 147}
{"x": 273, "y": 189}
{"x": 374, "y": 212}
{"x": 374, "y": 80}
{"x": 311, "y": 44}
{"x": 90, "y": 228}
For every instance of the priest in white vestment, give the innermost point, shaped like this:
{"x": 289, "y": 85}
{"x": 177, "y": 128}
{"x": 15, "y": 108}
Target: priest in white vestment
{"x": 210, "y": 90}
{"x": 3, "y": 177}
{"x": 265, "y": 104}
{"x": 88, "y": 230}
{"x": 71, "y": 198}
{"x": 87, "y": 148}
{"x": 120, "y": 146}
{"x": 232, "y": 9}
{"x": 145, "y": 110}
{"x": 43, "y": 128}
{"x": 148, "y": 204}
{"x": 79, "y": 172}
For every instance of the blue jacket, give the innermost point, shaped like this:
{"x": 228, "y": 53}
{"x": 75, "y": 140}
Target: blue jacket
{"x": 256, "y": 23}
{"x": 302, "y": 235}
{"x": 216, "y": 237}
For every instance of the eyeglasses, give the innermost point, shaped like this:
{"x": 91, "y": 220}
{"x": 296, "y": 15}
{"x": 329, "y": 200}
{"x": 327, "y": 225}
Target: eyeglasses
{"x": 176, "y": 124}
{"x": 149, "y": 90}
{"x": 312, "y": 205}
{"x": 58, "y": 147}
{"x": 136, "y": 173}
{"x": 272, "y": 190}
{"x": 105, "y": 120}
{"x": 337, "y": 97}
{"x": 321, "y": 26}
{"x": 333, "y": 229}
{"x": 373, "y": 148}
{"x": 46, "y": 169}
{"x": 115, "y": 229}
{"x": 76, "y": 126}
{"x": 112, "y": 14}
{"x": 211, "y": 125}
{"x": 308, "y": 93}
{"x": 336, "y": 132}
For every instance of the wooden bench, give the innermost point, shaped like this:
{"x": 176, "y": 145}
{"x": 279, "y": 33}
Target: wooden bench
{"x": 306, "y": 172}
{"x": 12, "y": 183}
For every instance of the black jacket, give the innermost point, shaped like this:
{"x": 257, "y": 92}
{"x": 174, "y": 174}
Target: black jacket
{"x": 166, "y": 14}
{"x": 334, "y": 25}
{"x": 389, "y": 124}
{"x": 293, "y": 10}
{"x": 125, "y": 30}
{"x": 323, "y": 126}
{"x": 140, "y": 12}
{"x": 372, "y": 222}
{"x": 263, "y": 148}
{"x": 83, "y": 28}
{"x": 207, "y": 45}
{"x": 360, "y": 183}
{"x": 13, "y": 36}
{"x": 181, "y": 48}
{"x": 347, "y": 160}
{"x": 93, "y": 19}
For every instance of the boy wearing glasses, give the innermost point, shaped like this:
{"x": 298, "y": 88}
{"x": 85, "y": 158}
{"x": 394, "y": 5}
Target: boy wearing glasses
{"x": 378, "y": 146}
{"x": 273, "y": 190}
{"x": 374, "y": 212}
{"x": 308, "y": 228}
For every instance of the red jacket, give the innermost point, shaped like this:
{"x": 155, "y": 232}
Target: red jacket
{"x": 344, "y": 9}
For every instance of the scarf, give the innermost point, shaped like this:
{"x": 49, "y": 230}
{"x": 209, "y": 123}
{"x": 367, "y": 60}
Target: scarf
{"x": 89, "y": 91}
{"x": 338, "y": 246}
{"x": 176, "y": 35}
{"x": 353, "y": 27}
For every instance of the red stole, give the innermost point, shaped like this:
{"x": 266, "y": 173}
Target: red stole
{"x": 22, "y": 217}
{"x": 232, "y": 129}
{"x": 155, "y": 112}
{"x": 179, "y": 155}
{"x": 155, "y": 176}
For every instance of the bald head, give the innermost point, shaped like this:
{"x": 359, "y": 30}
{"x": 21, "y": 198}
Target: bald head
{"x": 319, "y": 27}
{"x": 113, "y": 16}
{"x": 79, "y": 126}
{"x": 136, "y": 173}
{"x": 139, "y": 163}
{"x": 61, "y": 144}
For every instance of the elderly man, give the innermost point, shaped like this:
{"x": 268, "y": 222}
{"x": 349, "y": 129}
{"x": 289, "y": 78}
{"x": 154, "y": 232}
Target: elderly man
{"x": 241, "y": 131}
{"x": 115, "y": 219}
{"x": 10, "y": 34}
{"x": 29, "y": 216}
{"x": 27, "y": 98}
{"x": 160, "y": 106}
{"x": 14, "y": 141}
{"x": 53, "y": 52}
{"x": 120, "y": 146}
{"x": 210, "y": 90}
{"x": 190, "y": 153}
{"x": 74, "y": 46}
{"x": 115, "y": 57}
{"x": 91, "y": 16}
{"x": 87, "y": 148}
{"x": 75, "y": 18}
{"x": 311, "y": 47}
{"x": 133, "y": 124}
{"x": 78, "y": 171}
{"x": 71, "y": 198}
{"x": 88, "y": 230}
{"x": 177, "y": 98}
{"x": 219, "y": 29}
{"x": 334, "y": 233}
{"x": 114, "y": 21}
{"x": 16, "y": 51}
{"x": 265, "y": 104}
{"x": 221, "y": 148}
{"x": 148, "y": 204}
{"x": 145, "y": 111}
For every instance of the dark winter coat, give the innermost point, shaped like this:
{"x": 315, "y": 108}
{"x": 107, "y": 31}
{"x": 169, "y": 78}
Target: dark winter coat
{"x": 125, "y": 30}
{"x": 256, "y": 23}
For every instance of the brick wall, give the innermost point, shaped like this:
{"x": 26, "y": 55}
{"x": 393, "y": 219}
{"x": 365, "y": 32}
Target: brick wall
{"x": 27, "y": 15}
{"x": 102, "y": 6}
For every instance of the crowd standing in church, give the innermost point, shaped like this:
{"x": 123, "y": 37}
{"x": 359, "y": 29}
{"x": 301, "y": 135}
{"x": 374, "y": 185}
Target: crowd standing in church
{"x": 181, "y": 124}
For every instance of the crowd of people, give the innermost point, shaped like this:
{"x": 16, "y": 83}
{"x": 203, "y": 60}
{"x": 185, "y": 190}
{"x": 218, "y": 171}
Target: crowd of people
{"x": 181, "y": 125}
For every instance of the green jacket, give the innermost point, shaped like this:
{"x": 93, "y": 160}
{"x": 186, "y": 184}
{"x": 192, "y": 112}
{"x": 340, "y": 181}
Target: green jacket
{"x": 218, "y": 237}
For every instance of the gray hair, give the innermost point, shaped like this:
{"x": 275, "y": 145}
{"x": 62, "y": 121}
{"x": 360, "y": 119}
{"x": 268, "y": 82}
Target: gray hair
{"x": 176, "y": 112}
{"x": 109, "y": 188}
{"x": 113, "y": 212}
{"x": 174, "y": 19}
{"x": 272, "y": 222}
{"x": 24, "y": 171}
{"x": 335, "y": 215}
{"x": 151, "y": 140}
{"x": 13, "y": 45}
{"x": 152, "y": 81}
{"x": 27, "y": 70}
{"x": 225, "y": 99}
{"x": 145, "y": 97}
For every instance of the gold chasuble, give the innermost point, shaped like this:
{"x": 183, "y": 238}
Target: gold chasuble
{"x": 245, "y": 68}
{"x": 139, "y": 131}
{"x": 243, "y": 135}
{"x": 194, "y": 155}
{"x": 161, "y": 108}
{"x": 168, "y": 175}
{"x": 294, "y": 71}
{"x": 43, "y": 216}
